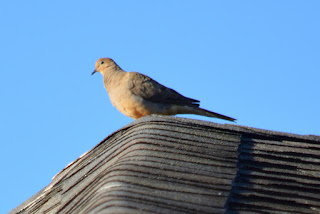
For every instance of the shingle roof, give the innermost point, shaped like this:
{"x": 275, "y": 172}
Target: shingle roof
{"x": 162, "y": 164}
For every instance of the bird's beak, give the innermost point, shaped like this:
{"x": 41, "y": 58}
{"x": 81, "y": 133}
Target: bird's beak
{"x": 94, "y": 71}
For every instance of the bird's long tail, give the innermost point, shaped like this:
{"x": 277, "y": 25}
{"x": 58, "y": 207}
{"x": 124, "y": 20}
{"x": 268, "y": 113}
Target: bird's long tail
{"x": 207, "y": 113}
{"x": 204, "y": 112}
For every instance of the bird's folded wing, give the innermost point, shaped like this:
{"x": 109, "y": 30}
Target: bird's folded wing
{"x": 149, "y": 89}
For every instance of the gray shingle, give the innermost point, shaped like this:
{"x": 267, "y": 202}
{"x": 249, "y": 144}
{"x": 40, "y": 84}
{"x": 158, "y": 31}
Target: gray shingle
{"x": 161, "y": 164}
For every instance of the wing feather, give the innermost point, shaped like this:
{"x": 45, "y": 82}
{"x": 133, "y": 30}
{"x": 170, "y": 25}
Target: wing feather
{"x": 149, "y": 89}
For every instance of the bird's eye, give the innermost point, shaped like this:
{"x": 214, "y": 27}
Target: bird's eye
{"x": 101, "y": 62}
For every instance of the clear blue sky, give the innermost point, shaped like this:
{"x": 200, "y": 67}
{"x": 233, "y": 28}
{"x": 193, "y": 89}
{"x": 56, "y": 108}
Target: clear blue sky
{"x": 257, "y": 61}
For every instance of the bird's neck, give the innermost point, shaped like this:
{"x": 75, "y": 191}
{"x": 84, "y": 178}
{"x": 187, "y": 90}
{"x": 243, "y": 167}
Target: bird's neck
{"x": 112, "y": 75}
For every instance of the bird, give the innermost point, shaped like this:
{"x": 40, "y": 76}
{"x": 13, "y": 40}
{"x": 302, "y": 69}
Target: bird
{"x": 137, "y": 95}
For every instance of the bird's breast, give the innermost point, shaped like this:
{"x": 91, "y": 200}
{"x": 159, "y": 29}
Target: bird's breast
{"x": 128, "y": 103}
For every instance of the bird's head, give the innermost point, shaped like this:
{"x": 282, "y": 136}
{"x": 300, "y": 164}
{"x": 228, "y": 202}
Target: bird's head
{"x": 104, "y": 64}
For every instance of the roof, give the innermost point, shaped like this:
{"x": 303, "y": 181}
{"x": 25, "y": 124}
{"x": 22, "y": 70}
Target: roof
{"x": 164, "y": 164}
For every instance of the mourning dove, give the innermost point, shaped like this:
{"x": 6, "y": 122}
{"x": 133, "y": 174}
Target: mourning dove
{"x": 137, "y": 95}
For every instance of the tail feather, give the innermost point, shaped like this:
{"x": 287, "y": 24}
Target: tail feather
{"x": 204, "y": 112}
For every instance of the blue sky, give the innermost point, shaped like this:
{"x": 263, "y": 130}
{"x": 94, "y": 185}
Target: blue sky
{"x": 257, "y": 61}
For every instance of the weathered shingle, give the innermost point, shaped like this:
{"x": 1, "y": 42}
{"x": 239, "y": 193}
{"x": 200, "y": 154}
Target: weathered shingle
{"x": 174, "y": 165}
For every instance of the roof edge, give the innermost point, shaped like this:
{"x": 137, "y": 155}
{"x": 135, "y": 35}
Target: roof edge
{"x": 226, "y": 127}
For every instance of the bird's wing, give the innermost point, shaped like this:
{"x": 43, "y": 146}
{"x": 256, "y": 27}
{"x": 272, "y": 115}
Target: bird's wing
{"x": 149, "y": 89}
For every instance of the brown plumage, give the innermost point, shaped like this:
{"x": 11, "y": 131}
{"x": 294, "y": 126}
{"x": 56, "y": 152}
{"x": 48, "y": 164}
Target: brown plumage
{"x": 137, "y": 95}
